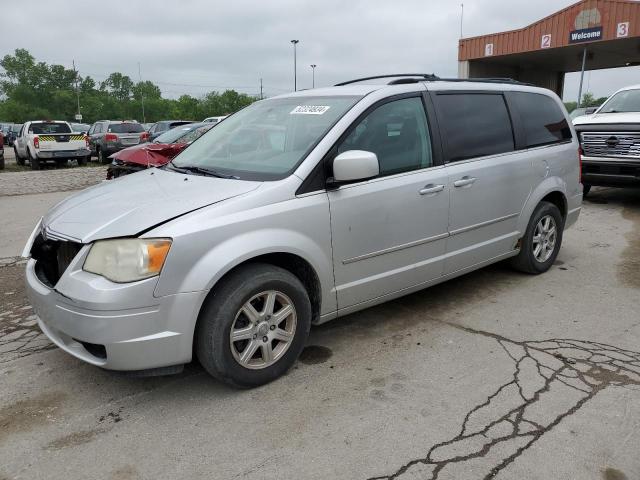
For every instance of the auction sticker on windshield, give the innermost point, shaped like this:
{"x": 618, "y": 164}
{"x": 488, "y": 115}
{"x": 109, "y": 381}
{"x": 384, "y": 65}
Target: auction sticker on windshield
{"x": 309, "y": 110}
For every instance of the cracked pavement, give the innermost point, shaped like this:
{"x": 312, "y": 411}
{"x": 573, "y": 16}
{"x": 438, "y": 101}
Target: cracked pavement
{"x": 492, "y": 375}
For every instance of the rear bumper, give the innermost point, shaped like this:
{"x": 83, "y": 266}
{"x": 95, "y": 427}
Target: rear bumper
{"x": 610, "y": 171}
{"x": 117, "y": 327}
{"x": 50, "y": 155}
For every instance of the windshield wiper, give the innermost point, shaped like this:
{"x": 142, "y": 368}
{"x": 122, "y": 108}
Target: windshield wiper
{"x": 205, "y": 171}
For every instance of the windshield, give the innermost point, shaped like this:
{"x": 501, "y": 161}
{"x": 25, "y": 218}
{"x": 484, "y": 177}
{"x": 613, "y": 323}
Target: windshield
{"x": 625, "y": 101}
{"x": 184, "y": 134}
{"x": 49, "y": 127}
{"x": 125, "y": 128}
{"x": 268, "y": 139}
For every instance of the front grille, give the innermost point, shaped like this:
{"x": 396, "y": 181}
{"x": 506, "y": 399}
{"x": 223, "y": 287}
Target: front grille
{"x": 52, "y": 258}
{"x": 611, "y": 144}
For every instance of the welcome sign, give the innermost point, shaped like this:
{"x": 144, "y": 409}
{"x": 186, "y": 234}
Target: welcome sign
{"x": 585, "y": 35}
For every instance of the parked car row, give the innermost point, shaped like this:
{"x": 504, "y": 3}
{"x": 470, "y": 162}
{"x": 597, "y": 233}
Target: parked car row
{"x": 9, "y": 132}
{"x": 156, "y": 152}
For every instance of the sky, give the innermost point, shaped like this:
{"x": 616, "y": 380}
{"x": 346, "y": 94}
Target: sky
{"x": 195, "y": 46}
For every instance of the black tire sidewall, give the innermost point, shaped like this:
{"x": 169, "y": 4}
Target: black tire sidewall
{"x": 19, "y": 160}
{"x": 542, "y": 210}
{"x": 34, "y": 162}
{"x": 216, "y": 318}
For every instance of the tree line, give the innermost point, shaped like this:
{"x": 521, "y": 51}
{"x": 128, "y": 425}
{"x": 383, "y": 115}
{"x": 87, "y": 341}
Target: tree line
{"x": 588, "y": 100}
{"x": 35, "y": 90}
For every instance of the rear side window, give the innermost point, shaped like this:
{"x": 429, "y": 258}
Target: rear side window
{"x": 475, "y": 124}
{"x": 542, "y": 119}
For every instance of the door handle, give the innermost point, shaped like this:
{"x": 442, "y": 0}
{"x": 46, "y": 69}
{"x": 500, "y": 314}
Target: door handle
{"x": 431, "y": 188}
{"x": 464, "y": 181}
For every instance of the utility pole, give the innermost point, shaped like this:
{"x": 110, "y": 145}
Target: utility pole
{"x": 584, "y": 62}
{"x": 78, "y": 115}
{"x": 295, "y": 66}
{"x": 144, "y": 118}
{"x": 261, "y": 97}
{"x": 313, "y": 75}
{"x": 461, "y": 17}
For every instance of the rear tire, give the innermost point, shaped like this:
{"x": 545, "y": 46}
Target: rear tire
{"x": 2, "y": 163}
{"x": 542, "y": 240}
{"x": 102, "y": 157}
{"x": 83, "y": 160}
{"x": 224, "y": 311}
{"x": 586, "y": 188}
{"x": 34, "y": 162}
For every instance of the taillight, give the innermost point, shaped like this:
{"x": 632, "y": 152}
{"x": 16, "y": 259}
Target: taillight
{"x": 36, "y": 142}
{"x": 111, "y": 137}
{"x": 144, "y": 136}
{"x": 86, "y": 140}
{"x": 580, "y": 164}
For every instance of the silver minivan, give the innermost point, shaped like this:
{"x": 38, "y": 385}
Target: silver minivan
{"x": 300, "y": 209}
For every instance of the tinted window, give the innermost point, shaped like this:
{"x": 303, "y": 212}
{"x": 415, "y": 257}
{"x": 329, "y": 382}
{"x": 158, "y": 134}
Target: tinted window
{"x": 125, "y": 128}
{"x": 475, "y": 124}
{"x": 542, "y": 119}
{"x": 46, "y": 127}
{"x": 397, "y": 133}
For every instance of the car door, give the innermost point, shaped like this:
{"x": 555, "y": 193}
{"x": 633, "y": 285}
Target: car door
{"x": 489, "y": 180}
{"x": 21, "y": 142}
{"x": 389, "y": 233}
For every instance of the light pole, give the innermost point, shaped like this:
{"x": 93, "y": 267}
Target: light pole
{"x": 313, "y": 75}
{"x": 295, "y": 66}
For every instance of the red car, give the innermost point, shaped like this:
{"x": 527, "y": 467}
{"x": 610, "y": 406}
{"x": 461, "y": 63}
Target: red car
{"x": 155, "y": 153}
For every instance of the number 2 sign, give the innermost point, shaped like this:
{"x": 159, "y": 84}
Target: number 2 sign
{"x": 546, "y": 41}
{"x": 623, "y": 30}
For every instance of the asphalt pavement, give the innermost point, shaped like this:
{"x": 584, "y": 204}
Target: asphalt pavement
{"x": 495, "y": 374}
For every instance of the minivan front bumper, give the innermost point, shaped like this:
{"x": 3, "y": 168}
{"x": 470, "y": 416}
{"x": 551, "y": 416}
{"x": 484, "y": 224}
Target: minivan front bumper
{"x": 121, "y": 327}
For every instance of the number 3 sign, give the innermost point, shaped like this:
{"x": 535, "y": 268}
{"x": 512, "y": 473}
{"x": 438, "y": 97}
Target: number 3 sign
{"x": 623, "y": 30}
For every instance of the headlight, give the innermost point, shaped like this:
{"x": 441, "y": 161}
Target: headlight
{"x": 128, "y": 259}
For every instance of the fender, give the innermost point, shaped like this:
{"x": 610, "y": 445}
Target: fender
{"x": 544, "y": 188}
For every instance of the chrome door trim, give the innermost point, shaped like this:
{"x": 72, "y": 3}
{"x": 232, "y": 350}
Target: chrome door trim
{"x": 377, "y": 253}
{"x": 483, "y": 224}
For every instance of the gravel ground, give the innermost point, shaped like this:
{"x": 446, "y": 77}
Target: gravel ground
{"x": 48, "y": 180}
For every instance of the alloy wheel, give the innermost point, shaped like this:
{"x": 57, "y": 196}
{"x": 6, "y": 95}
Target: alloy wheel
{"x": 263, "y": 329}
{"x": 544, "y": 238}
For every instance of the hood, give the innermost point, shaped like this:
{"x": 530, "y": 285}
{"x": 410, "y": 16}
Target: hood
{"x": 608, "y": 118}
{"x": 134, "y": 203}
{"x": 151, "y": 154}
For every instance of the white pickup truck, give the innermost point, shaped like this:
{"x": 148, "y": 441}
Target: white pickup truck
{"x": 46, "y": 140}
{"x": 610, "y": 141}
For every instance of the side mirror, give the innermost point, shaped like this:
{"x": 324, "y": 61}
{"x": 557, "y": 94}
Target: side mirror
{"x": 355, "y": 165}
{"x": 590, "y": 110}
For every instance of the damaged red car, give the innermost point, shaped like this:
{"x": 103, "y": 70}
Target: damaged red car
{"x": 155, "y": 153}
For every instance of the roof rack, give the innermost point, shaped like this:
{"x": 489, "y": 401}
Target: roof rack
{"x": 421, "y": 76}
{"x": 484, "y": 80}
{"x": 430, "y": 77}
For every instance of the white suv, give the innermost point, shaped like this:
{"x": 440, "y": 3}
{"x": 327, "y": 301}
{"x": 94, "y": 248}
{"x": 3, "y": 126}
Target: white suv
{"x": 300, "y": 209}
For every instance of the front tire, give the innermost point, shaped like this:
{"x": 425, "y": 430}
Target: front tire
{"x": 542, "y": 240}
{"x": 586, "y": 188}
{"x": 253, "y": 326}
{"x": 19, "y": 160}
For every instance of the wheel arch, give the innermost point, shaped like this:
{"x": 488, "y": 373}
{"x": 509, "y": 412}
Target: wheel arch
{"x": 552, "y": 190}
{"x": 293, "y": 263}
